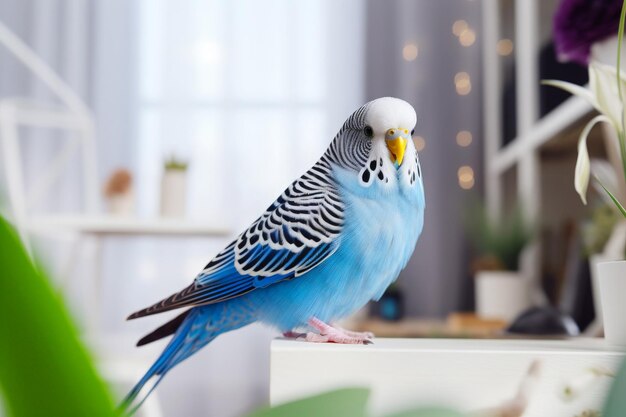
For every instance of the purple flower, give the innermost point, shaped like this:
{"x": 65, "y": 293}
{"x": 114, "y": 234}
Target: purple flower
{"x": 578, "y": 24}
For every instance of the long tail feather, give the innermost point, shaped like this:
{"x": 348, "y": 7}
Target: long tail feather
{"x": 165, "y": 330}
{"x": 134, "y": 409}
{"x": 159, "y": 368}
{"x": 192, "y": 331}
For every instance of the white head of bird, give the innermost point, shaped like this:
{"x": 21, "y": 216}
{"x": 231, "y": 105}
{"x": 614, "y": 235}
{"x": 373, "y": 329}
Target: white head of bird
{"x": 376, "y": 142}
{"x": 393, "y": 121}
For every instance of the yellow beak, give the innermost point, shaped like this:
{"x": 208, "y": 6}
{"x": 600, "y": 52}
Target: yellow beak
{"x": 396, "y": 147}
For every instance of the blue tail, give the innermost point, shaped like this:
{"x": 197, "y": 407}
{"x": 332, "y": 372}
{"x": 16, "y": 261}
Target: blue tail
{"x": 200, "y": 326}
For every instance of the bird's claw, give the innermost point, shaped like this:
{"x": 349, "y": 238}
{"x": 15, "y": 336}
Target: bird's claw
{"x": 336, "y": 337}
{"x": 330, "y": 334}
{"x": 366, "y": 335}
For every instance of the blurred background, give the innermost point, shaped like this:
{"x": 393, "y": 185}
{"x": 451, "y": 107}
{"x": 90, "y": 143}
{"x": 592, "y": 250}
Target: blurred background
{"x": 139, "y": 137}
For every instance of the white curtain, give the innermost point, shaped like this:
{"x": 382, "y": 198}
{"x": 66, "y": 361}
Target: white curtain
{"x": 240, "y": 89}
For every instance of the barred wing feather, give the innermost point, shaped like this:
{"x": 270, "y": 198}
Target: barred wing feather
{"x": 298, "y": 232}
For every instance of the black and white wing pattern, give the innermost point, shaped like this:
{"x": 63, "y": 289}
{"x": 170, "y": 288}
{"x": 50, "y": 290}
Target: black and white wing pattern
{"x": 296, "y": 233}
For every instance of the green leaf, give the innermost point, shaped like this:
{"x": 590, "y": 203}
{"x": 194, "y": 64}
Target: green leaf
{"x": 615, "y": 405}
{"x": 499, "y": 240}
{"x": 44, "y": 369}
{"x": 347, "y": 402}
{"x": 615, "y": 201}
{"x": 429, "y": 412}
{"x": 620, "y": 34}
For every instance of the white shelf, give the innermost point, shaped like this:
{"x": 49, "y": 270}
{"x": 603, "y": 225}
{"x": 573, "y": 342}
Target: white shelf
{"x": 468, "y": 375}
{"x": 111, "y": 225}
{"x": 546, "y": 129}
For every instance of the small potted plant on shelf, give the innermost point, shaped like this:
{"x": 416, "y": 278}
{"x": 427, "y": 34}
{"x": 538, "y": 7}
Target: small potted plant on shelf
{"x": 588, "y": 44}
{"x": 174, "y": 187}
{"x": 118, "y": 193}
{"x": 502, "y": 292}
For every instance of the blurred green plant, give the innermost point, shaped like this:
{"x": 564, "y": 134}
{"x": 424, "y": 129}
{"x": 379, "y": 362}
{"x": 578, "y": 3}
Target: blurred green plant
{"x": 499, "y": 243}
{"x": 615, "y": 405}
{"x": 597, "y": 231}
{"x": 175, "y": 164}
{"x": 346, "y": 402}
{"x": 44, "y": 369}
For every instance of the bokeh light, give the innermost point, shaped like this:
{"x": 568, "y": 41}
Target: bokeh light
{"x": 410, "y": 52}
{"x": 464, "y": 138}
{"x": 467, "y": 37}
{"x": 462, "y": 83}
{"x": 466, "y": 177}
{"x": 458, "y": 27}
{"x": 504, "y": 47}
{"x": 420, "y": 143}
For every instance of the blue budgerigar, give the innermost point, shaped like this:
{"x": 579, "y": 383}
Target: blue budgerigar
{"x": 335, "y": 239}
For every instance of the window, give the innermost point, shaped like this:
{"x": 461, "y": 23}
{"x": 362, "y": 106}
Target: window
{"x": 244, "y": 91}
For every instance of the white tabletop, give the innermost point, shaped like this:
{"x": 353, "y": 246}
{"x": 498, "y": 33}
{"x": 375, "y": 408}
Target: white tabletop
{"x": 573, "y": 345}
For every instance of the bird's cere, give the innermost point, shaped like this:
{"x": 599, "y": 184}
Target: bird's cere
{"x": 396, "y": 140}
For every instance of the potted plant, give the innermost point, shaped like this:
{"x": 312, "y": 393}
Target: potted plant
{"x": 607, "y": 87}
{"x": 601, "y": 235}
{"x": 502, "y": 292}
{"x": 118, "y": 193}
{"x": 174, "y": 187}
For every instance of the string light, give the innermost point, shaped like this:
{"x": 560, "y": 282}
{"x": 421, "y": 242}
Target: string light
{"x": 463, "y": 83}
{"x": 464, "y": 138}
{"x": 419, "y": 142}
{"x": 466, "y": 177}
{"x": 504, "y": 47}
{"x": 410, "y": 52}
{"x": 458, "y": 27}
{"x": 467, "y": 37}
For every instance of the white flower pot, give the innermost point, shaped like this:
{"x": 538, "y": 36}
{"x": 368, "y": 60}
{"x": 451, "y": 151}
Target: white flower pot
{"x": 121, "y": 204}
{"x": 612, "y": 280}
{"x": 173, "y": 193}
{"x": 594, "y": 261}
{"x": 501, "y": 294}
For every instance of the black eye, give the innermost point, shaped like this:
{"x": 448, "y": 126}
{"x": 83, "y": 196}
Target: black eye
{"x": 368, "y": 131}
{"x": 412, "y": 132}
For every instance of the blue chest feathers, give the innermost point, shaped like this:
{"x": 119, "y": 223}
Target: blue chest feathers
{"x": 382, "y": 224}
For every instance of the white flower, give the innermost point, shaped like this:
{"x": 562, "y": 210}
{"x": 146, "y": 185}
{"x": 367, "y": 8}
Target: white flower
{"x": 603, "y": 95}
{"x": 582, "y": 383}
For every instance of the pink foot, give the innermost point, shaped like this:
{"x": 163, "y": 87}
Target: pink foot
{"x": 366, "y": 335}
{"x": 330, "y": 334}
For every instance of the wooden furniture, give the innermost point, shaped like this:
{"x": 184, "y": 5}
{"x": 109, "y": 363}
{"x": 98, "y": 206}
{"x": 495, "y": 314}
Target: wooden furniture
{"x": 457, "y": 325}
